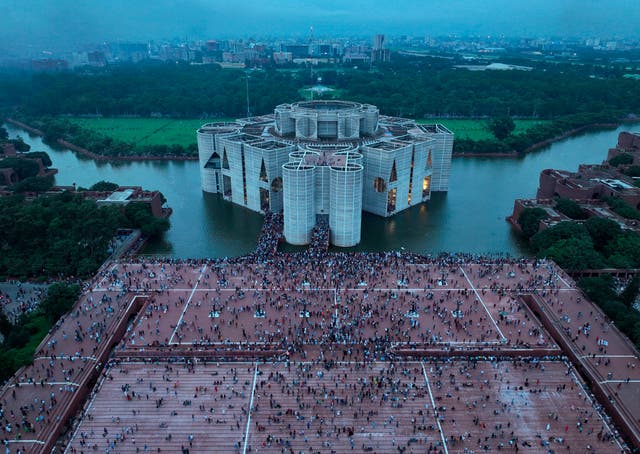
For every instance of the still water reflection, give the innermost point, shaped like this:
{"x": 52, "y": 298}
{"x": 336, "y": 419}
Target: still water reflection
{"x": 469, "y": 218}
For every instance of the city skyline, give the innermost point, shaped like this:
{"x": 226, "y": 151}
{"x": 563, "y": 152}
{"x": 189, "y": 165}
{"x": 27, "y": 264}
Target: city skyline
{"x": 67, "y": 24}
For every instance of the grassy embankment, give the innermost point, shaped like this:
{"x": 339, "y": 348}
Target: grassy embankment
{"x": 477, "y": 129}
{"x": 162, "y": 131}
{"x": 146, "y": 131}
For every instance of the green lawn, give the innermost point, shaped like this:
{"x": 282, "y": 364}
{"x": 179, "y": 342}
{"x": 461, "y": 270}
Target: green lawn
{"x": 477, "y": 129}
{"x": 166, "y": 131}
{"x": 146, "y": 131}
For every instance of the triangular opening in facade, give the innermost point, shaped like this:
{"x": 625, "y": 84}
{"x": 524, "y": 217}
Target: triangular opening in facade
{"x": 394, "y": 174}
{"x": 263, "y": 173}
{"x": 225, "y": 161}
{"x": 213, "y": 162}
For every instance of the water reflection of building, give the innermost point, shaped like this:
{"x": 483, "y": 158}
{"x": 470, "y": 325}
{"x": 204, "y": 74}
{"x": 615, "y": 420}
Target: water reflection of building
{"x": 325, "y": 158}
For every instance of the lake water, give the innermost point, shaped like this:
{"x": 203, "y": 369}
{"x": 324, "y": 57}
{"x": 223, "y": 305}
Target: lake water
{"x": 469, "y": 218}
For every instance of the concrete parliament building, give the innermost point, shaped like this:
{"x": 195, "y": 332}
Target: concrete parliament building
{"x": 325, "y": 159}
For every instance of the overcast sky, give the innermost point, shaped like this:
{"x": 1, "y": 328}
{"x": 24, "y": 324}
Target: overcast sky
{"x": 70, "y": 23}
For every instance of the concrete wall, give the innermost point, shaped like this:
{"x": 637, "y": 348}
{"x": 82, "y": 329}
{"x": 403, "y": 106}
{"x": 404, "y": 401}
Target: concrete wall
{"x": 441, "y": 158}
{"x": 298, "y": 202}
{"x": 345, "y": 206}
{"x": 377, "y": 164}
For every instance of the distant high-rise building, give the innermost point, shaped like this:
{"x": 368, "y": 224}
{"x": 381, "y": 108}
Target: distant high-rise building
{"x": 378, "y": 42}
{"x": 329, "y": 159}
{"x": 379, "y": 53}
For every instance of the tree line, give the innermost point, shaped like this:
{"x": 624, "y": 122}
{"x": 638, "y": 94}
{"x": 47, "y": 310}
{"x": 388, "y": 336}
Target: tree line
{"x": 591, "y": 243}
{"x": 507, "y": 142}
{"x": 584, "y": 242}
{"x": 22, "y": 337}
{"x": 64, "y": 235}
{"x": 415, "y": 88}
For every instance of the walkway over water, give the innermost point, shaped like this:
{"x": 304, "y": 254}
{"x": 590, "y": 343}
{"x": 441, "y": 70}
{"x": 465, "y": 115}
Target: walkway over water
{"x": 320, "y": 238}
{"x": 270, "y": 236}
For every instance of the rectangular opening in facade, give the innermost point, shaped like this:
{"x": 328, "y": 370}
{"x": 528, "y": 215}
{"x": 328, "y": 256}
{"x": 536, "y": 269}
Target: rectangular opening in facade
{"x": 426, "y": 184}
{"x": 244, "y": 178}
{"x": 226, "y": 182}
{"x": 264, "y": 199}
{"x": 391, "y": 200}
{"x": 413, "y": 155}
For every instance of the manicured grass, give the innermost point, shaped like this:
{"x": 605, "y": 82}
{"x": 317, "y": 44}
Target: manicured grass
{"x": 147, "y": 131}
{"x": 477, "y": 129}
{"x": 166, "y": 131}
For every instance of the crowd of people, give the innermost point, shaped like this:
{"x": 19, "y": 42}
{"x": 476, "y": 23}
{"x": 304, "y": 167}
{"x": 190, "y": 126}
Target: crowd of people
{"x": 186, "y": 403}
{"x": 320, "y": 238}
{"x": 471, "y": 405}
{"x": 338, "y": 312}
{"x": 291, "y": 306}
{"x": 270, "y": 236}
{"x": 17, "y": 298}
{"x": 35, "y": 403}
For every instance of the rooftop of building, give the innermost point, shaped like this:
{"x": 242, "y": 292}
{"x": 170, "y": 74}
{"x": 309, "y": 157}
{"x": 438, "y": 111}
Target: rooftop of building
{"x": 252, "y": 130}
{"x": 592, "y": 207}
{"x": 119, "y": 196}
{"x": 325, "y": 105}
{"x": 592, "y": 175}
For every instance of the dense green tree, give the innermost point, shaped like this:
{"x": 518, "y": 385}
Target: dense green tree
{"x": 33, "y": 184}
{"x": 104, "y": 186}
{"x": 5, "y": 325}
{"x": 46, "y": 160}
{"x": 622, "y": 208}
{"x": 621, "y": 159}
{"x": 597, "y": 243}
{"x": 501, "y": 127}
{"x": 529, "y": 220}
{"x": 561, "y": 231}
{"x": 421, "y": 87}
{"x": 602, "y": 231}
{"x": 140, "y": 217}
{"x": 60, "y": 298}
{"x": 20, "y": 145}
{"x": 57, "y": 235}
{"x": 23, "y": 167}
{"x": 18, "y": 336}
{"x": 570, "y": 208}
{"x": 624, "y": 250}
{"x": 630, "y": 292}
{"x": 633, "y": 171}
{"x": 4, "y": 135}
{"x": 574, "y": 254}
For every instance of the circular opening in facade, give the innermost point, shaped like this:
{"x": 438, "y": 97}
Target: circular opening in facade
{"x": 276, "y": 184}
{"x": 379, "y": 185}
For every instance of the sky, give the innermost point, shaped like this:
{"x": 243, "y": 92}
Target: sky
{"x": 72, "y": 23}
